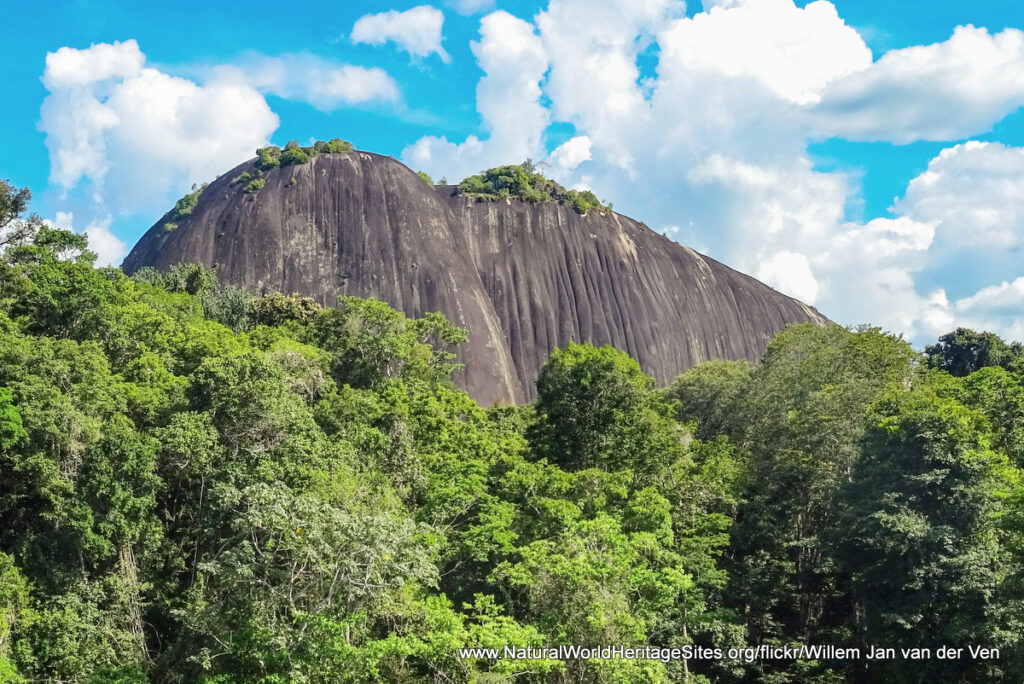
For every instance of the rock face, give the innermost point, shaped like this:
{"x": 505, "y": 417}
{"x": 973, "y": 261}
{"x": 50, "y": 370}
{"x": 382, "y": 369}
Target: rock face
{"x": 522, "y": 278}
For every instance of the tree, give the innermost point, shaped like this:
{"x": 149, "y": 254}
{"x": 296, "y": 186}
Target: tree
{"x": 13, "y": 203}
{"x": 13, "y": 229}
{"x": 797, "y": 425}
{"x": 293, "y": 155}
{"x": 964, "y": 351}
{"x": 183, "y": 207}
{"x": 11, "y": 428}
{"x": 999, "y": 396}
{"x": 14, "y": 610}
{"x": 597, "y": 409}
{"x": 619, "y": 484}
{"x": 522, "y": 181}
{"x": 51, "y": 283}
{"x": 197, "y": 484}
{"x": 275, "y": 309}
{"x": 708, "y": 395}
{"x": 268, "y": 158}
{"x": 917, "y": 533}
{"x": 371, "y": 342}
{"x": 338, "y": 146}
{"x": 1010, "y": 595}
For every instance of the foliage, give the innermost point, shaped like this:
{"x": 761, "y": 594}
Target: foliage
{"x": 11, "y": 428}
{"x": 201, "y": 484}
{"x": 13, "y": 202}
{"x": 310, "y": 498}
{"x": 999, "y": 396}
{"x": 338, "y": 146}
{"x": 708, "y": 394}
{"x": 426, "y": 177}
{"x": 268, "y": 157}
{"x": 272, "y": 156}
{"x": 523, "y": 182}
{"x": 293, "y": 154}
{"x": 255, "y": 186}
{"x": 597, "y": 409}
{"x": 918, "y": 535}
{"x": 15, "y": 228}
{"x": 964, "y": 351}
{"x": 183, "y": 207}
{"x": 276, "y": 309}
{"x": 583, "y": 201}
{"x": 796, "y": 421}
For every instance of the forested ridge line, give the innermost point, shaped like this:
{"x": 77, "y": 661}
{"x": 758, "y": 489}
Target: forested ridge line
{"x": 198, "y": 484}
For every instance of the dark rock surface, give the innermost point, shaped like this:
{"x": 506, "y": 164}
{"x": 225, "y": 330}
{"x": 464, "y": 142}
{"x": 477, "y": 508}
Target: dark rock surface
{"x": 522, "y": 278}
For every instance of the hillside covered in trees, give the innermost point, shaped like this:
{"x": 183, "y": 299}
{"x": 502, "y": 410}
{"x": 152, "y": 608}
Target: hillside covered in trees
{"x": 199, "y": 484}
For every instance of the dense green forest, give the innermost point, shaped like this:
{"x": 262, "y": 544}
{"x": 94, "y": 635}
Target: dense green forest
{"x": 198, "y": 484}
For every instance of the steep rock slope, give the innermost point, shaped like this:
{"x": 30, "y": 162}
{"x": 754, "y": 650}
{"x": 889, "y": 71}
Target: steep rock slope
{"x": 555, "y": 276}
{"x": 522, "y": 278}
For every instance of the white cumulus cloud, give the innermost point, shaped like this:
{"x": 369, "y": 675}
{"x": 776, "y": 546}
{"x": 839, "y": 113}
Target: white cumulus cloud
{"x": 970, "y": 195}
{"x": 110, "y": 250}
{"x": 793, "y": 52}
{"x": 570, "y": 154}
{"x": 417, "y": 31}
{"x": 128, "y": 138}
{"x": 945, "y": 91}
{"x": 791, "y": 272}
{"x": 713, "y": 142}
{"x": 507, "y": 98}
{"x": 996, "y": 308}
{"x": 137, "y": 133}
{"x": 973, "y": 192}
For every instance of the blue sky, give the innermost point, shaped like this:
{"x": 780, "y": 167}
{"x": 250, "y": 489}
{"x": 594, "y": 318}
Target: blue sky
{"x": 867, "y": 157}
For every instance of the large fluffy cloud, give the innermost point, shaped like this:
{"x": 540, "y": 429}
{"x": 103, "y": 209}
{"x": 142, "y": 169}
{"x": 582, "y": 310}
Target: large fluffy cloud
{"x": 973, "y": 192}
{"x": 945, "y": 91}
{"x": 109, "y": 249}
{"x": 711, "y": 145}
{"x": 137, "y": 133}
{"x": 792, "y": 52}
{"x": 507, "y": 98}
{"x": 127, "y": 138}
{"x": 698, "y": 124}
{"x": 570, "y": 154}
{"x": 948, "y": 254}
{"x": 417, "y": 31}
{"x": 970, "y": 193}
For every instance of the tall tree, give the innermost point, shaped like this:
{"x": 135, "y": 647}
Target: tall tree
{"x": 708, "y": 395}
{"x": 797, "y": 425}
{"x": 999, "y": 396}
{"x": 597, "y": 409}
{"x": 918, "y": 534}
{"x": 963, "y": 351}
